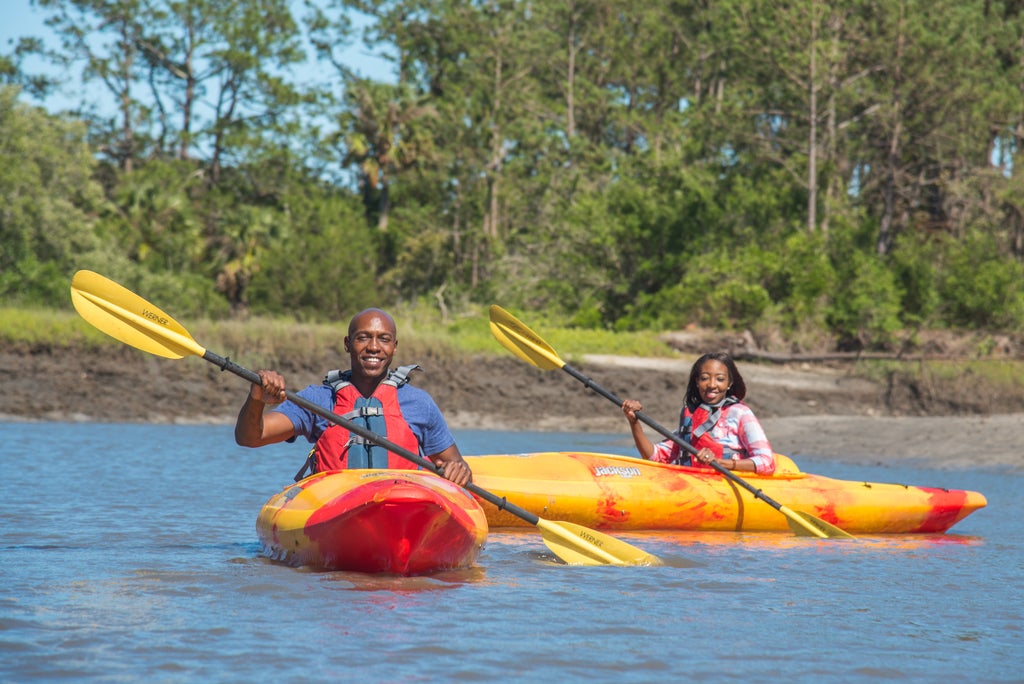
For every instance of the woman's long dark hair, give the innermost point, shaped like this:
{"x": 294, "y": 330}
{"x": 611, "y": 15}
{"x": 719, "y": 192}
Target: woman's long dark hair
{"x": 737, "y": 388}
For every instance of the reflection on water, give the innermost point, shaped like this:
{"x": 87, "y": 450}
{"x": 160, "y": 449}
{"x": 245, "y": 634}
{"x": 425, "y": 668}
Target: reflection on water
{"x": 134, "y": 554}
{"x": 450, "y": 579}
{"x": 784, "y": 540}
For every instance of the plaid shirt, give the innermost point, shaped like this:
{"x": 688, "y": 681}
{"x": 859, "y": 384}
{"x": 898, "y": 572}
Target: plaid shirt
{"x": 739, "y": 431}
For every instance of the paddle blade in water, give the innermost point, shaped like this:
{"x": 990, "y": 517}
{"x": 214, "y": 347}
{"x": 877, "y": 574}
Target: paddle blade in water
{"x": 515, "y": 336}
{"x": 823, "y": 529}
{"x": 129, "y": 318}
{"x": 578, "y": 545}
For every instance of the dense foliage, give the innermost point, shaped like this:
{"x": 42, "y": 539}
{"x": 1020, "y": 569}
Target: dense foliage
{"x": 841, "y": 170}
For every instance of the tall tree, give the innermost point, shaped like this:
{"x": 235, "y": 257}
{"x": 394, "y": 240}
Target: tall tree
{"x": 103, "y": 37}
{"x": 253, "y": 99}
{"x": 385, "y": 133}
{"x": 796, "y": 63}
{"x": 930, "y": 61}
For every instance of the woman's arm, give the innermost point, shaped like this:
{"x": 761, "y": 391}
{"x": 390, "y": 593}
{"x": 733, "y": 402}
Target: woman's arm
{"x": 643, "y": 445}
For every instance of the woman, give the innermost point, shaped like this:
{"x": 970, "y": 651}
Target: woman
{"x": 714, "y": 420}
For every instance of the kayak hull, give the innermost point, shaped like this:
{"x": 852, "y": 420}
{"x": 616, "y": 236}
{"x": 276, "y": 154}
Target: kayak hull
{"x": 403, "y": 522}
{"x": 622, "y": 493}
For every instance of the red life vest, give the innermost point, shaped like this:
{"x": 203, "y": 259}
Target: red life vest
{"x": 337, "y": 448}
{"x": 696, "y": 426}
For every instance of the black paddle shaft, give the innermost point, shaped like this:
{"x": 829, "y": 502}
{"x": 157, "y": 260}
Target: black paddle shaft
{"x": 643, "y": 418}
{"x": 253, "y": 377}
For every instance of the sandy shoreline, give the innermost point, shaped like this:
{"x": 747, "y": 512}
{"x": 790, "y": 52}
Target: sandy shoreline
{"x": 943, "y": 441}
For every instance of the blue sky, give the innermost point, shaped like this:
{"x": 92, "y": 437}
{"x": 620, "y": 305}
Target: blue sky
{"x": 20, "y": 19}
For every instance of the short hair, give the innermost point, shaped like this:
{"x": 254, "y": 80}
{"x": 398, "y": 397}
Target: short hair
{"x": 372, "y": 310}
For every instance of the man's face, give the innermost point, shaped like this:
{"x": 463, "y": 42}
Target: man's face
{"x": 371, "y": 343}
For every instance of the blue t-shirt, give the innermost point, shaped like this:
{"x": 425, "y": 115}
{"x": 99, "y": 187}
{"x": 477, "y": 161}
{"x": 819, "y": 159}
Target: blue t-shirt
{"x": 418, "y": 407}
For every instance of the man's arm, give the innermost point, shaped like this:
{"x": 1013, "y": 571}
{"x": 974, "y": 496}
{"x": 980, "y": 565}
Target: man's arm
{"x": 254, "y": 427}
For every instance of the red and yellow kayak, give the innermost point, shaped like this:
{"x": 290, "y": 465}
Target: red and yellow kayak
{"x": 403, "y": 522}
{"x": 621, "y": 493}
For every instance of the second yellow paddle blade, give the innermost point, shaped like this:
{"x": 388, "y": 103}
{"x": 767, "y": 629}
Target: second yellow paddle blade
{"x": 578, "y": 545}
{"x": 517, "y": 337}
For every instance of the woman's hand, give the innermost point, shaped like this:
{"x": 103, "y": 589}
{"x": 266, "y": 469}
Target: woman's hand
{"x": 706, "y": 456}
{"x": 629, "y": 409}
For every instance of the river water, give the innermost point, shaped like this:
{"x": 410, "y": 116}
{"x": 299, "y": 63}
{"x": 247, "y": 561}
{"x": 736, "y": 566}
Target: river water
{"x": 129, "y": 552}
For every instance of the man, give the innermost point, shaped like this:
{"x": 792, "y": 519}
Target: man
{"x": 369, "y": 394}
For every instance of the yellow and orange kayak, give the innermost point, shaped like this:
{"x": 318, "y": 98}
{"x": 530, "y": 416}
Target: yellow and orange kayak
{"x": 622, "y": 493}
{"x": 404, "y": 522}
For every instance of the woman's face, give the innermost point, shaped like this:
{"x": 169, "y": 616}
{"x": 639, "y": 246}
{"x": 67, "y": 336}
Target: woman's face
{"x": 713, "y": 381}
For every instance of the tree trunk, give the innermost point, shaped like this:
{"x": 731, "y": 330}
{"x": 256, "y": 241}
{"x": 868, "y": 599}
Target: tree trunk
{"x": 812, "y": 146}
{"x": 127, "y": 153}
{"x": 570, "y": 78}
{"x": 885, "y": 228}
{"x": 384, "y": 206}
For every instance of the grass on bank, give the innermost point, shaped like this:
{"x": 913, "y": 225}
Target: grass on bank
{"x": 266, "y": 343}
{"x": 269, "y": 340}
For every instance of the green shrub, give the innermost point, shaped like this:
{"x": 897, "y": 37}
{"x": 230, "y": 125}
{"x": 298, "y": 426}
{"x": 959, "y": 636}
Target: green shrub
{"x": 809, "y": 280}
{"x": 914, "y": 264}
{"x": 866, "y": 305}
{"x": 981, "y": 289}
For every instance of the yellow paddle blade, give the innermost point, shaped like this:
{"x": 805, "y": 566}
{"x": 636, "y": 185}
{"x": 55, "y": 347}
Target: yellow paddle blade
{"x": 129, "y": 318}
{"x": 515, "y": 336}
{"x": 578, "y": 545}
{"x": 806, "y": 525}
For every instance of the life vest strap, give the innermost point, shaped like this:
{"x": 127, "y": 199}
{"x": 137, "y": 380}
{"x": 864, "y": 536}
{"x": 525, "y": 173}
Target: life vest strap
{"x": 308, "y": 466}
{"x": 336, "y": 379}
